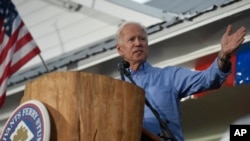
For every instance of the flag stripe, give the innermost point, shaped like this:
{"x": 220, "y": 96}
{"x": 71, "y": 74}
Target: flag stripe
{"x": 24, "y": 60}
{"x": 4, "y": 78}
{"x": 12, "y": 40}
{"x": 2, "y": 98}
{"x": 3, "y": 82}
{"x": 23, "y": 41}
{"x": 4, "y": 42}
{"x": 24, "y": 37}
{"x": 27, "y": 45}
{"x": 4, "y": 64}
{"x": 1, "y": 34}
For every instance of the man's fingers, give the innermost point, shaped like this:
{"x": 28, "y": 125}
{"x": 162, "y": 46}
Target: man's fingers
{"x": 242, "y": 29}
{"x": 242, "y": 32}
{"x": 240, "y": 41}
{"x": 239, "y": 35}
{"x": 229, "y": 29}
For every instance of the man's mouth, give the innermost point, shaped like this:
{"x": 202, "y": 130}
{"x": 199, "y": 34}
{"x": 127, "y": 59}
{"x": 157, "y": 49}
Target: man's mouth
{"x": 138, "y": 51}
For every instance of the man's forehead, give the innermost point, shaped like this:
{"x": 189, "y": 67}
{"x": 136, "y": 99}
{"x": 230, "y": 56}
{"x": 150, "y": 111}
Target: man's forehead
{"x": 129, "y": 31}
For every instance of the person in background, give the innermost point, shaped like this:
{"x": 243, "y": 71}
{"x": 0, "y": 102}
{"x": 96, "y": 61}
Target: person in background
{"x": 164, "y": 87}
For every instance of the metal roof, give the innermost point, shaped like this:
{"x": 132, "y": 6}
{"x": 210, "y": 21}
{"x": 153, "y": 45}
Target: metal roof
{"x": 169, "y": 10}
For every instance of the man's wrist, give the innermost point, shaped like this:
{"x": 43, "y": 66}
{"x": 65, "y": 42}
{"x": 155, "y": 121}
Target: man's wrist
{"x": 224, "y": 58}
{"x": 224, "y": 62}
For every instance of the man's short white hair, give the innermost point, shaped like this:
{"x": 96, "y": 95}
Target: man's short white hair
{"x": 118, "y": 32}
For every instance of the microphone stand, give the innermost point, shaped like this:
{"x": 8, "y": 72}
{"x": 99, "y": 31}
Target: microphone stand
{"x": 121, "y": 70}
{"x": 167, "y": 134}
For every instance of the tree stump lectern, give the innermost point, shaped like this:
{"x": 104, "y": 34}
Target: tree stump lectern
{"x": 89, "y": 107}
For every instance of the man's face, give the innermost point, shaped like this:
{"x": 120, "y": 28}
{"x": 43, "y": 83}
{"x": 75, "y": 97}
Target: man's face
{"x": 133, "y": 44}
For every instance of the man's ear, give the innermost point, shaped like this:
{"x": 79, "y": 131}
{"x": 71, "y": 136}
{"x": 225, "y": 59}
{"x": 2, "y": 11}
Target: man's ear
{"x": 118, "y": 48}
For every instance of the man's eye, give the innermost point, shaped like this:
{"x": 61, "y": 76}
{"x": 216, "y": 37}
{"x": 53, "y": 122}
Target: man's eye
{"x": 132, "y": 39}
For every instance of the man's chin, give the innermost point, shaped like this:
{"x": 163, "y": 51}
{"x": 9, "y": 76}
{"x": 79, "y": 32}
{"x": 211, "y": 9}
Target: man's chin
{"x": 141, "y": 60}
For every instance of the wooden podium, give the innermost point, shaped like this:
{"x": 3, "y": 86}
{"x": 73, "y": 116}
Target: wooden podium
{"x": 90, "y": 107}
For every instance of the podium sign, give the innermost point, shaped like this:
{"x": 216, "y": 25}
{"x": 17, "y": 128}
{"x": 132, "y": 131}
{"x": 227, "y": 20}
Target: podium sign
{"x": 29, "y": 121}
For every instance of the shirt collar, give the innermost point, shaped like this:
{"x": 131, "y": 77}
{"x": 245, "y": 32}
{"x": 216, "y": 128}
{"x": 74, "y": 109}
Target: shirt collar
{"x": 143, "y": 69}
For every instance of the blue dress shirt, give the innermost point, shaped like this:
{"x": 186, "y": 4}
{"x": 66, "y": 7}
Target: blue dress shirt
{"x": 164, "y": 87}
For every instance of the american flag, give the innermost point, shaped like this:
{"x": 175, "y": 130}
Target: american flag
{"x": 17, "y": 46}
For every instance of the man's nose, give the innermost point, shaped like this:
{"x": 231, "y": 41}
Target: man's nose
{"x": 138, "y": 41}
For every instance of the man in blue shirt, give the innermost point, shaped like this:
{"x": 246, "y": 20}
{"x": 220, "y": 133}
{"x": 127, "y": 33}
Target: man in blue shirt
{"x": 165, "y": 87}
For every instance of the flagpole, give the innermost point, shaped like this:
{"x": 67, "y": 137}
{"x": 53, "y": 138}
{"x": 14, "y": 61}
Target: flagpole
{"x": 44, "y": 64}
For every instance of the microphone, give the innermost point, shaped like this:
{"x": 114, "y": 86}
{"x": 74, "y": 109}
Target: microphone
{"x": 125, "y": 64}
{"x": 122, "y": 68}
